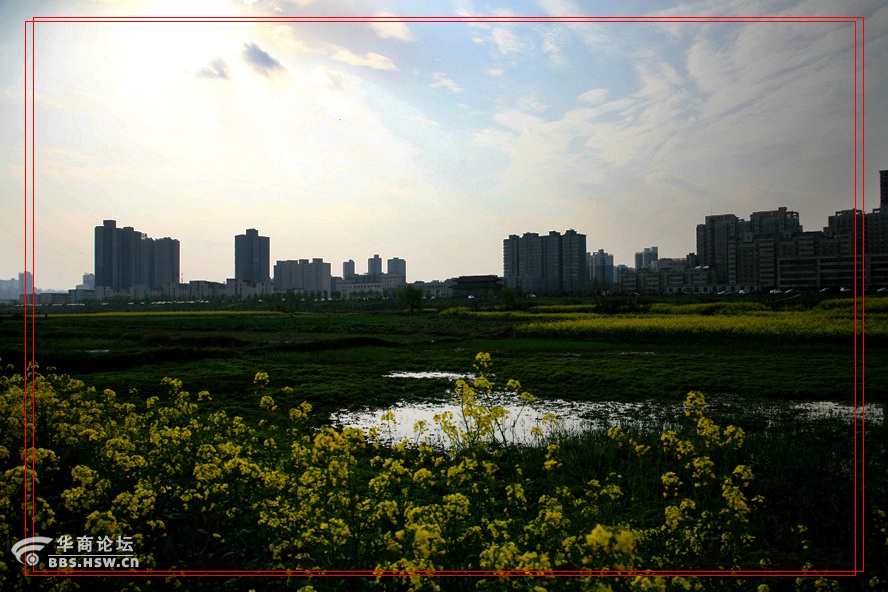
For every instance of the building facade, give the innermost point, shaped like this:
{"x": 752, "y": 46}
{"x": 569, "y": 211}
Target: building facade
{"x": 647, "y": 258}
{"x": 374, "y": 267}
{"x": 303, "y": 276}
{"x": 126, "y": 258}
{"x": 252, "y": 258}
{"x": 601, "y": 267}
{"x": 550, "y": 264}
{"x": 396, "y": 266}
{"x": 348, "y": 270}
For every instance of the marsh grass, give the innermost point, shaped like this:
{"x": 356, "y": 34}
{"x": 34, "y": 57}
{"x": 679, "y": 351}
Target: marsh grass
{"x": 356, "y": 351}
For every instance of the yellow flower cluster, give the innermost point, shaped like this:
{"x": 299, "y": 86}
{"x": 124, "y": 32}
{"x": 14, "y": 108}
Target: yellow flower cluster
{"x": 190, "y": 484}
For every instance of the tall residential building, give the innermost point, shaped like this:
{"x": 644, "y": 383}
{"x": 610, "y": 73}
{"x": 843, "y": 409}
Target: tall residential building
{"x": 523, "y": 262}
{"x": 883, "y": 190}
{"x": 25, "y": 283}
{"x": 106, "y": 254}
{"x": 646, "y": 259}
{"x": 396, "y": 266}
{"x": 303, "y": 276}
{"x": 348, "y": 269}
{"x": 252, "y": 257}
{"x": 746, "y": 252}
{"x": 160, "y": 261}
{"x": 601, "y": 267}
{"x": 574, "y": 274}
{"x": 126, "y": 258}
{"x": 374, "y": 266}
{"x": 552, "y": 264}
{"x": 714, "y": 238}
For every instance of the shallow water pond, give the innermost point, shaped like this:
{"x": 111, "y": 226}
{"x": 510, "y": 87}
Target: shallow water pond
{"x": 578, "y": 416}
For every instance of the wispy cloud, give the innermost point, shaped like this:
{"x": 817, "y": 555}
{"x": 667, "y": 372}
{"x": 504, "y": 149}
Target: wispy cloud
{"x": 216, "y": 69}
{"x": 422, "y": 120}
{"x": 369, "y": 60}
{"x": 260, "y": 60}
{"x": 506, "y": 41}
{"x": 392, "y": 29}
{"x": 552, "y": 42}
{"x": 594, "y": 96}
{"x": 441, "y": 80}
{"x": 661, "y": 178}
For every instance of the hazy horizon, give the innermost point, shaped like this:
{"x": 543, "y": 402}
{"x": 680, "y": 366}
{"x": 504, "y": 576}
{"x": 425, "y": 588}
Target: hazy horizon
{"x": 429, "y": 141}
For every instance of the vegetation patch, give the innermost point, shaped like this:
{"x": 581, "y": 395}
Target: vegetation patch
{"x": 196, "y": 489}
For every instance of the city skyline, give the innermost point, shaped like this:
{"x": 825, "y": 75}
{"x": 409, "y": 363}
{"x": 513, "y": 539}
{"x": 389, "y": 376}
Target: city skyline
{"x": 414, "y": 139}
{"x": 252, "y": 262}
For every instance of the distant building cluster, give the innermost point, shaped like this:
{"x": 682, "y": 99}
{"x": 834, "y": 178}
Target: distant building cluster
{"x": 129, "y": 263}
{"x": 127, "y": 259}
{"x": 375, "y": 281}
{"x": 769, "y": 251}
{"x": 14, "y": 289}
{"x": 647, "y": 259}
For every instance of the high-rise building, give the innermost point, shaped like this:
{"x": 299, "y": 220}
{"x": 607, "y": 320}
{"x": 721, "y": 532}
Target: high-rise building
{"x": 348, "y": 269}
{"x": 883, "y": 190}
{"x": 25, "y": 283}
{"x": 125, "y": 258}
{"x": 572, "y": 254}
{"x": 746, "y": 252}
{"x": 252, "y": 257}
{"x": 160, "y": 261}
{"x": 601, "y": 267}
{"x": 553, "y": 264}
{"x": 106, "y": 254}
{"x": 396, "y": 266}
{"x": 374, "y": 266}
{"x": 302, "y": 276}
{"x": 646, "y": 259}
{"x": 523, "y": 262}
{"x": 714, "y": 239}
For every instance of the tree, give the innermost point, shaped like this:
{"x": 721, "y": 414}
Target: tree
{"x": 409, "y": 297}
{"x": 509, "y": 298}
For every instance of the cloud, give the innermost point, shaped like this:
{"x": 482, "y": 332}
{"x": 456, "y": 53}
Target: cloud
{"x": 506, "y": 41}
{"x": 370, "y": 59}
{"x": 260, "y": 60}
{"x": 552, "y": 42}
{"x": 660, "y": 178}
{"x": 323, "y": 76}
{"x": 594, "y": 96}
{"x": 517, "y": 120}
{"x": 422, "y": 120}
{"x": 441, "y": 79}
{"x": 216, "y": 69}
{"x": 392, "y": 29}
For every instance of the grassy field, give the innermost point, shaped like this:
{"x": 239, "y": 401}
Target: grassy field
{"x": 340, "y": 359}
{"x": 586, "y": 351}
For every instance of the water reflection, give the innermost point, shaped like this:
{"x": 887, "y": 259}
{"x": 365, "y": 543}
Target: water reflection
{"x": 576, "y": 416}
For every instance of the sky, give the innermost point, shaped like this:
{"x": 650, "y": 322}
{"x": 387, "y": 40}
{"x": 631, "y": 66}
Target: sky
{"x": 429, "y": 141}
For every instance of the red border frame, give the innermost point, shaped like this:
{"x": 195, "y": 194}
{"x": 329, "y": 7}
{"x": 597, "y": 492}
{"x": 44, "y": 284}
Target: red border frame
{"x": 29, "y": 335}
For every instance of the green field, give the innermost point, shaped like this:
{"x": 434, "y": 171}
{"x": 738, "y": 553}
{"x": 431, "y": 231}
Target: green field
{"x": 340, "y": 359}
{"x": 543, "y": 499}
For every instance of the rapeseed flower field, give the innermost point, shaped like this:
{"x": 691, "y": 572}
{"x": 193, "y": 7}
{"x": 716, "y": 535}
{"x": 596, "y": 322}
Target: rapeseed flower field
{"x": 201, "y": 490}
